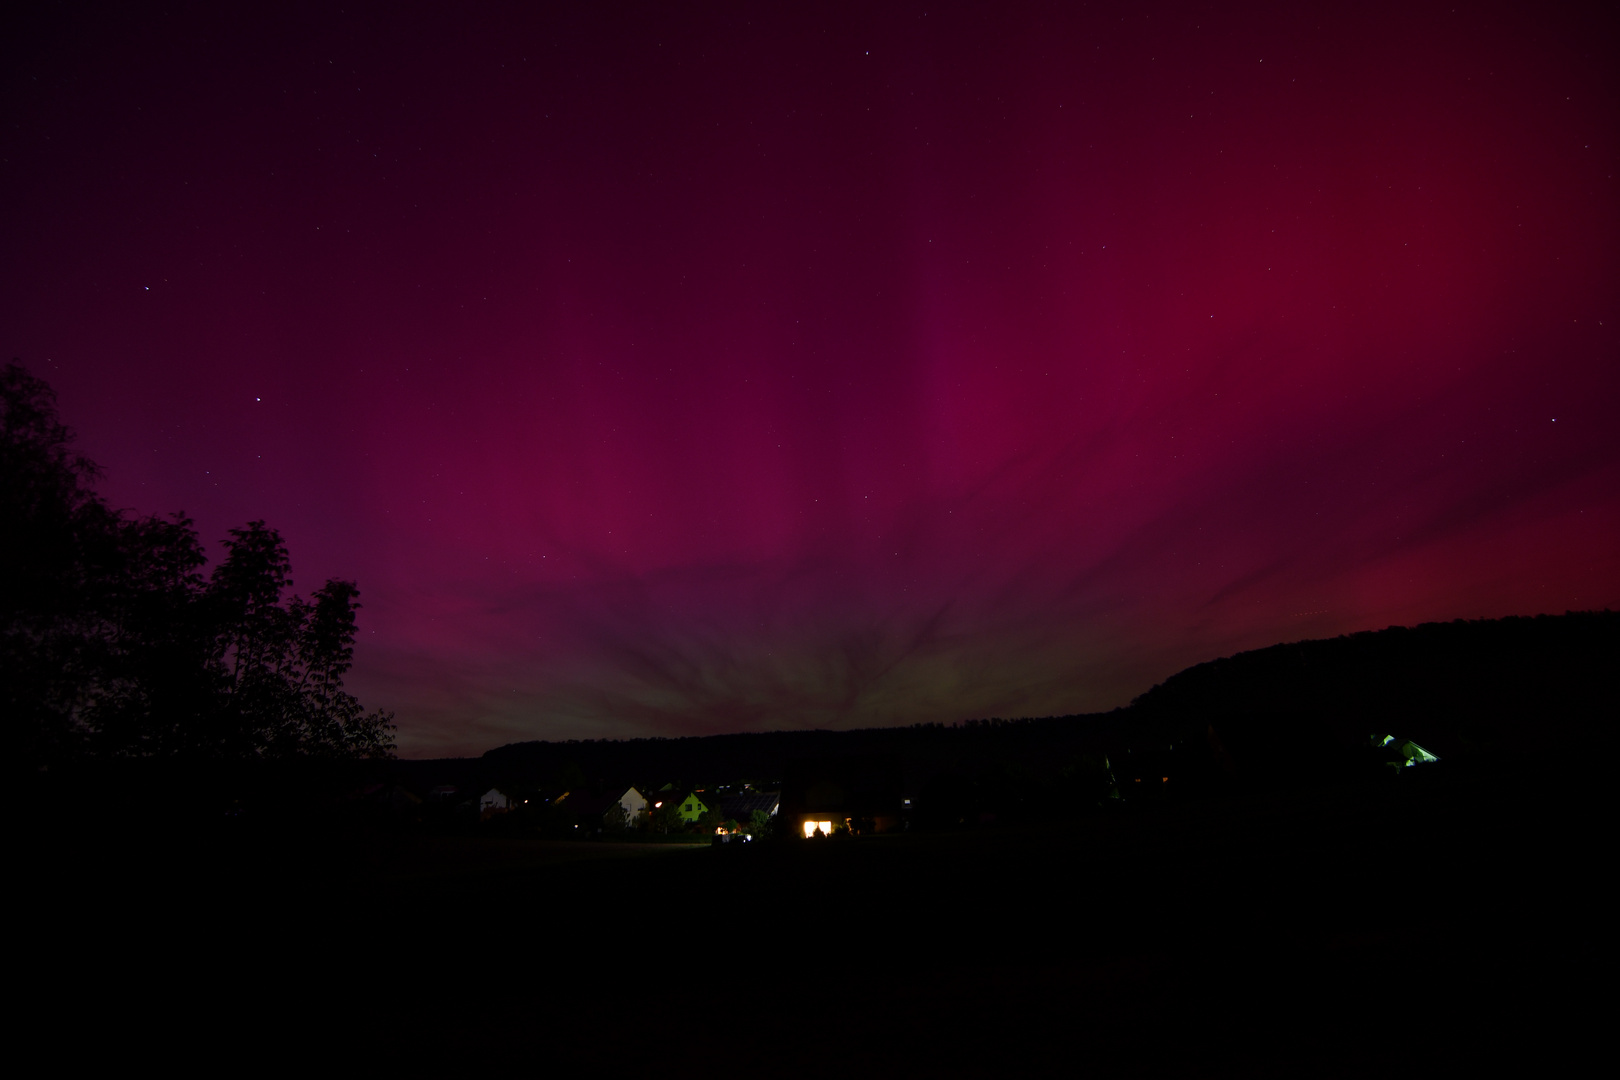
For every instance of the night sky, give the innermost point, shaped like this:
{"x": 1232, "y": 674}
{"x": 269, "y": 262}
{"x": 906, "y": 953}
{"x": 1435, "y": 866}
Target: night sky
{"x": 680, "y": 369}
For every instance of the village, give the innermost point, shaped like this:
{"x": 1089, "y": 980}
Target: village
{"x": 1342, "y": 824}
{"x": 722, "y": 811}
{"x": 845, "y": 795}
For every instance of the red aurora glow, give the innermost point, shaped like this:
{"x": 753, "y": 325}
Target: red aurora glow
{"x": 668, "y": 370}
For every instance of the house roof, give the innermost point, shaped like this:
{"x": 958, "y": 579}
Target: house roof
{"x": 742, "y": 807}
{"x": 677, "y": 796}
{"x": 586, "y": 804}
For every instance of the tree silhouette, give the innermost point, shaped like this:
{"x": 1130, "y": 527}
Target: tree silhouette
{"x": 113, "y": 645}
{"x": 56, "y": 541}
{"x": 279, "y": 664}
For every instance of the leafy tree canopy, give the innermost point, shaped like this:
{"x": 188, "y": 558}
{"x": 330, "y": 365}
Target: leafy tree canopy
{"x": 114, "y": 644}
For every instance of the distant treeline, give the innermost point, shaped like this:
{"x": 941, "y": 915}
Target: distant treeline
{"x": 1467, "y": 688}
{"x": 762, "y": 758}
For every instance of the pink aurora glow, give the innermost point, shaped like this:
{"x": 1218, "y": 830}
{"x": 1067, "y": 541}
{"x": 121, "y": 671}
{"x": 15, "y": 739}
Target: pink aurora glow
{"x": 676, "y": 373}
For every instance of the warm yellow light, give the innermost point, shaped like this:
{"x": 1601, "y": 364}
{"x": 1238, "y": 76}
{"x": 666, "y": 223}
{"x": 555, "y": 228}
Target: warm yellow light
{"x": 810, "y": 828}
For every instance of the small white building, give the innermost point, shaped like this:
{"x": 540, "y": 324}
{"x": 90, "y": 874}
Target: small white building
{"x": 493, "y": 800}
{"x": 634, "y": 803}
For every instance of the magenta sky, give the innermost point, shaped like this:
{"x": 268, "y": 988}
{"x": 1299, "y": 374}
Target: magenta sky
{"x": 693, "y": 368}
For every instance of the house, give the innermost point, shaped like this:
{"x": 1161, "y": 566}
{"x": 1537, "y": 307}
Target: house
{"x": 693, "y": 807}
{"x": 740, "y": 808}
{"x": 621, "y": 812}
{"x": 635, "y": 806}
{"x": 494, "y": 801}
{"x": 1401, "y": 753}
{"x": 852, "y": 793}
{"x": 688, "y": 807}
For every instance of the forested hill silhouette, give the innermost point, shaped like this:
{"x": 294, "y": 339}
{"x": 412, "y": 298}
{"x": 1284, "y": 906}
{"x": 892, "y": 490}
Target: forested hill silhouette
{"x": 1485, "y": 688}
{"x": 763, "y": 758}
{"x": 1465, "y": 686}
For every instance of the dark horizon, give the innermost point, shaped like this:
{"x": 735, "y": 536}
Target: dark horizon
{"x": 1461, "y": 685}
{"x": 663, "y": 372}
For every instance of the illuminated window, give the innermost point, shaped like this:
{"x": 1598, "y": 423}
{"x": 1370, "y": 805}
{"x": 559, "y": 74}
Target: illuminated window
{"x": 810, "y": 828}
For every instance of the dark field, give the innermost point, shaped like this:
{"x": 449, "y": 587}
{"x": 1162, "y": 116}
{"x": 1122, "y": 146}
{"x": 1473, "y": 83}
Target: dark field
{"x": 1444, "y": 923}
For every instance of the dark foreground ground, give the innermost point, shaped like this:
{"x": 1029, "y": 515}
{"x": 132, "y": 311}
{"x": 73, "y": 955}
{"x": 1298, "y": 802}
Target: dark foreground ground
{"x": 1445, "y": 925}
